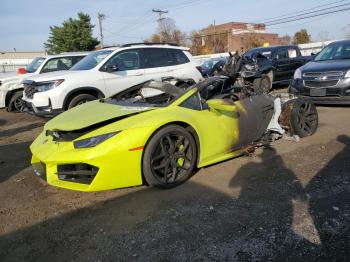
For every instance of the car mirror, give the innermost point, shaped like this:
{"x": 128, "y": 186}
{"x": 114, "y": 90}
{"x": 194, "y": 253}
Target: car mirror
{"x": 221, "y": 105}
{"x": 111, "y": 68}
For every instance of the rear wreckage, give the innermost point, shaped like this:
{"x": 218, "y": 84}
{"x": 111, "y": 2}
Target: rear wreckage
{"x": 157, "y": 133}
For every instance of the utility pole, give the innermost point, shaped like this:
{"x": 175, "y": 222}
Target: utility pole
{"x": 214, "y": 37}
{"x": 100, "y": 18}
{"x": 160, "y": 20}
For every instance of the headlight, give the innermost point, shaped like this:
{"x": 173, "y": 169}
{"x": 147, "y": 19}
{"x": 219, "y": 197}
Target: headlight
{"x": 347, "y": 74}
{"x": 249, "y": 67}
{"x": 297, "y": 74}
{"x": 93, "y": 141}
{"x": 44, "y": 86}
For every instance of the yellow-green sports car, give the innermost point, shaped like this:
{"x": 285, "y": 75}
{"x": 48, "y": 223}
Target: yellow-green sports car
{"x": 158, "y": 133}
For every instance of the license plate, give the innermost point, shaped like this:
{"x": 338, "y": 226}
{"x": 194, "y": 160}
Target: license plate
{"x": 318, "y": 92}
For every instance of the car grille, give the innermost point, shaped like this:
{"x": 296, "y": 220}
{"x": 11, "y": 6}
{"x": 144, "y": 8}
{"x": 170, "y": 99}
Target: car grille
{"x": 29, "y": 90}
{"x": 313, "y": 83}
{"x": 322, "y": 79}
{"x": 329, "y": 74}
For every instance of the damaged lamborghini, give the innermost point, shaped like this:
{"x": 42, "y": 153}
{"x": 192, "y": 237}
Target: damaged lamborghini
{"x": 159, "y": 132}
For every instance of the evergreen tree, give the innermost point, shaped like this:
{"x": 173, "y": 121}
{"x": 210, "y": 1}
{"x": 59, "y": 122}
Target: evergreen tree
{"x": 73, "y": 35}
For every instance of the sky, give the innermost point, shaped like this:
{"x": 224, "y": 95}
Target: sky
{"x": 24, "y": 24}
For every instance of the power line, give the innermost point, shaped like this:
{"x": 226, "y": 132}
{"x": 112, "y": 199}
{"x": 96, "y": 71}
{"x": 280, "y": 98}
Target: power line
{"x": 140, "y": 20}
{"x": 298, "y": 12}
{"x": 304, "y": 13}
{"x": 310, "y": 16}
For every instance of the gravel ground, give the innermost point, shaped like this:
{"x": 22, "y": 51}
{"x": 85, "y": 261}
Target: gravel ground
{"x": 290, "y": 202}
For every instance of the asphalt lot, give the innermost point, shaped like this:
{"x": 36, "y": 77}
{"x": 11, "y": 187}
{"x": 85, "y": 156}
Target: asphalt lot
{"x": 290, "y": 202}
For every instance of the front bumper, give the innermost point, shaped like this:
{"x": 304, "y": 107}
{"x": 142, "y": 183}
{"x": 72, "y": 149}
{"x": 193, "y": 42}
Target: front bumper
{"x": 2, "y": 97}
{"x": 44, "y": 111}
{"x": 117, "y": 166}
{"x": 338, "y": 94}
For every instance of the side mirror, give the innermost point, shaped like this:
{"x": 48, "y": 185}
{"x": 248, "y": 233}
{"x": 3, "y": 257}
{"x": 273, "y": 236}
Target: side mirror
{"x": 221, "y": 105}
{"x": 111, "y": 68}
{"x": 21, "y": 71}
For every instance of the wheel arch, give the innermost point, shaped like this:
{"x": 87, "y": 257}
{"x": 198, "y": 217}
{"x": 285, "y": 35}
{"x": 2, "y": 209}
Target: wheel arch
{"x": 82, "y": 90}
{"x": 9, "y": 95}
{"x": 183, "y": 124}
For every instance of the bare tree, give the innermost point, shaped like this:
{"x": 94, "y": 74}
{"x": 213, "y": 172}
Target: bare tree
{"x": 346, "y": 30}
{"x": 250, "y": 40}
{"x": 323, "y": 36}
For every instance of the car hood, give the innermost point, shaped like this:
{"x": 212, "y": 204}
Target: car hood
{"x": 95, "y": 113}
{"x": 330, "y": 65}
{"x": 51, "y": 76}
{"x": 5, "y": 76}
{"x": 12, "y": 78}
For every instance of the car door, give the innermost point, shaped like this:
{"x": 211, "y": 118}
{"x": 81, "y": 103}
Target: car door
{"x": 255, "y": 113}
{"x": 123, "y": 70}
{"x": 282, "y": 64}
{"x": 158, "y": 63}
{"x": 296, "y": 60}
{"x": 229, "y": 131}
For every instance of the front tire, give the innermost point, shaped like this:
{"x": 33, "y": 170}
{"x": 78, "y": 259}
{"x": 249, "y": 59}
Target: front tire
{"x": 263, "y": 85}
{"x": 170, "y": 157}
{"x": 80, "y": 99}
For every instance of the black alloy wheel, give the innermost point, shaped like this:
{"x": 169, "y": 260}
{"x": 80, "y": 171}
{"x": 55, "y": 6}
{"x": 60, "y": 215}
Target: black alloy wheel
{"x": 170, "y": 157}
{"x": 304, "y": 118}
{"x": 16, "y": 103}
{"x": 80, "y": 99}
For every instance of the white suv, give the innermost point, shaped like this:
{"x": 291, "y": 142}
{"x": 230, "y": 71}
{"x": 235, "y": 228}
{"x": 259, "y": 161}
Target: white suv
{"x": 106, "y": 72}
{"x": 11, "y": 88}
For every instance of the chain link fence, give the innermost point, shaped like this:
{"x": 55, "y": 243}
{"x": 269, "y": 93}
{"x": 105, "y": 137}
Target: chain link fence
{"x": 5, "y": 68}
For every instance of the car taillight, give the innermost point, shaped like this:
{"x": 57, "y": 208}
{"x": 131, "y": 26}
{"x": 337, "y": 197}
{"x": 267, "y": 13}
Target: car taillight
{"x": 21, "y": 71}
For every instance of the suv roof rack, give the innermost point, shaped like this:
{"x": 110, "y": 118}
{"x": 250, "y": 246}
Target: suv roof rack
{"x": 110, "y": 46}
{"x": 131, "y": 44}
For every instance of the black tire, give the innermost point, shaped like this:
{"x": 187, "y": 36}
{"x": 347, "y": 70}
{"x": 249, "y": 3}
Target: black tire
{"x": 263, "y": 85}
{"x": 80, "y": 99}
{"x": 16, "y": 104}
{"x": 172, "y": 147}
{"x": 304, "y": 118}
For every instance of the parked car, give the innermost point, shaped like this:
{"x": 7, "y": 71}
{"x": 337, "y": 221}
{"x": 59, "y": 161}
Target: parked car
{"x": 106, "y": 72}
{"x": 158, "y": 133}
{"x": 212, "y": 66}
{"x": 277, "y": 63}
{"x": 326, "y": 79}
{"x": 11, "y": 87}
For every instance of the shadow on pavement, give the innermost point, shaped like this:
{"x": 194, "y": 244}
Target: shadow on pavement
{"x": 2, "y": 122}
{"x": 17, "y": 130}
{"x": 13, "y": 159}
{"x": 193, "y": 222}
{"x": 329, "y": 193}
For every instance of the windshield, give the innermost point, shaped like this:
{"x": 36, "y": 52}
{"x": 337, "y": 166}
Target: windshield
{"x": 258, "y": 53}
{"x": 151, "y": 94}
{"x": 34, "y": 65}
{"x": 91, "y": 60}
{"x": 209, "y": 64}
{"x": 334, "y": 52}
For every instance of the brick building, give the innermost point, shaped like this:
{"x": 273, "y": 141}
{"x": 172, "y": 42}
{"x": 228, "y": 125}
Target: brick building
{"x": 239, "y": 36}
